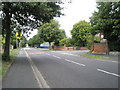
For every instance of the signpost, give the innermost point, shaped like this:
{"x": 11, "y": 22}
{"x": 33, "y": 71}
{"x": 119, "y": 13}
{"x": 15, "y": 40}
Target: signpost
{"x": 18, "y": 37}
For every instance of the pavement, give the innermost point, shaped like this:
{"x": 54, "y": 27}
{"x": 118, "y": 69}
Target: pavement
{"x": 35, "y": 68}
{"x": 20, "y": 74}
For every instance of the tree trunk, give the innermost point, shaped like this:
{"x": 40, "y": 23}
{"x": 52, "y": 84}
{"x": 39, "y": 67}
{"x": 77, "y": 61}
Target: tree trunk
{"x": 107, "y": 47}
{"x": 7, "y": 45}
{"x": 92, "y": 44}
{"x": 6, "y": 54}
{"x": 50, "y": 46}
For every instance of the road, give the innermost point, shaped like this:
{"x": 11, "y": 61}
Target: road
{"x": 60, "y": 69}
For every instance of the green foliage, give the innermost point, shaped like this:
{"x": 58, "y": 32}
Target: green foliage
{"x": 50, "y": 32}
{"x": 80, "y": 32}
{"x": 1, "y": 40}
{"x": 13, "y": 41}
{"x": 23, "y": 42}
{"x": 97, "y": 39}
{"x": 35, "y": 41}
{"x": 95, "y": 56}
{"x": 63, "y": 42}
{"x": 67, "y": 42}
{"x": 6, "y": 65}
{"x": 61, "y": 34}
{"x": 90, "y": 40}
{"x": 106, "y": 20}
{"x": 25, "y": 14}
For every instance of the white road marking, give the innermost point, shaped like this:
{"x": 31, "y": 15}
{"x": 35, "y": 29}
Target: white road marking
{"x": 74, "y": 62}
{"x": 56, "y": 57}
{"x": 48, "y": 54}
{"x": 75, "y": 55}
{"x": 70, "y": 54}
{"x": 108, "y": 72}
{"x": 41, "y": 81}
{"x": 115, "y": 61}
{"x": 67, "y": 53}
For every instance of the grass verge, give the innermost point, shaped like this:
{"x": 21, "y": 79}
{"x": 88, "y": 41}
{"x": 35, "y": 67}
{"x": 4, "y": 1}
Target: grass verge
{"x": 4, "y": 66}
{"x": 95, "y": 56}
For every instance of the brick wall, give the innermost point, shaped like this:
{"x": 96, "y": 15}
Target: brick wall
{"x": 100, "y": 48}
{"x": 68, "y": 48}
{"x": 59, "y": 48}
{"x": 63, "y": 48}
{"x": 83, "y": 48}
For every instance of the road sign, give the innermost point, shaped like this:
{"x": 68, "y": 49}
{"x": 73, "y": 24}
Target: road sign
{"x": 18, "y": 35}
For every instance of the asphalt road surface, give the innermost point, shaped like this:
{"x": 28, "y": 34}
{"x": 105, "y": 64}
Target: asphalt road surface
{"x": 60, "y": 69}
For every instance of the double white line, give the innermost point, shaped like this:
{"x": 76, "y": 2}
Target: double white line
{"x": 41, "y": 81}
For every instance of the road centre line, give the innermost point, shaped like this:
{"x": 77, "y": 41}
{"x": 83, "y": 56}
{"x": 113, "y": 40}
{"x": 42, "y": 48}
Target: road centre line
{"x": 41, "y": 81}
{"x": 108, "y": 72}
{"x": 70, "y": 61}
{"x": 85, "y": 65}
{"x": 91, "y": 59}
{"x": 74, "y": 62}
{"x": 48, "y": 54}
{"x": 56, "y": 56}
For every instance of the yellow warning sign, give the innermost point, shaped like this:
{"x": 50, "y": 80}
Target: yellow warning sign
{"x": 18, "y": 35}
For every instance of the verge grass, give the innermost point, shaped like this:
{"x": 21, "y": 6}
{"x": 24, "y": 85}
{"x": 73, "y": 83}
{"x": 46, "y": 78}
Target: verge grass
{"x": 95, "y": 56}
{"x": 4, "y": 66}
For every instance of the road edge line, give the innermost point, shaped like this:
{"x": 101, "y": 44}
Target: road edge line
{"x": 41, "y": 81}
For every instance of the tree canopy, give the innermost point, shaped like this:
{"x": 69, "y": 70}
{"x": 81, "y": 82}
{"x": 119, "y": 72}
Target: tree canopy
{"x": 31, "y": 14}
{"x": 50, "y": 32}
{"x": 80, "y": 32}
{"x": 106, "y": 20}
{"x": 35, "y": 41}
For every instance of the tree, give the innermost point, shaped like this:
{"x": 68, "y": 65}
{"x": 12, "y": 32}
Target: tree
{"x": 80, "y": 33}
{"x": 23, "y": 42}
{"x": 25, "y": 14}
{"x": 35, "y": 41}
{"x": 50, "y": 32}
{"x": 60, "y": 35}
{"x": 107, "y": 20}
{"x": 67, "y": 42}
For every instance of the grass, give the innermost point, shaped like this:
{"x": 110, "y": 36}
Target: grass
{"x": 95, "y": 56}
{"x": 4, "y": 66}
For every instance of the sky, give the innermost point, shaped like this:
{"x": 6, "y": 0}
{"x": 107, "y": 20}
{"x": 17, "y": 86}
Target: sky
{"x": 74, "y": 12}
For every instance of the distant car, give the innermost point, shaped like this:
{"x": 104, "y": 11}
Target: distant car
{"x": 43, "y": 47}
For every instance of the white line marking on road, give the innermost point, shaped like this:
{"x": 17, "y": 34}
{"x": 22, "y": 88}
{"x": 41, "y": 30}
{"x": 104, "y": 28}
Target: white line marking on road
{"x": 69, "y": 54}
{"x": 48, "y": 54}
{"x": 75, "y": 55}
{"x": 56, "y": 57}
{"x": 108, "y": 72}
{"x": 114, "y": 61}
{"x": 74, "y": 62}
{"x": 41, "y": 81}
